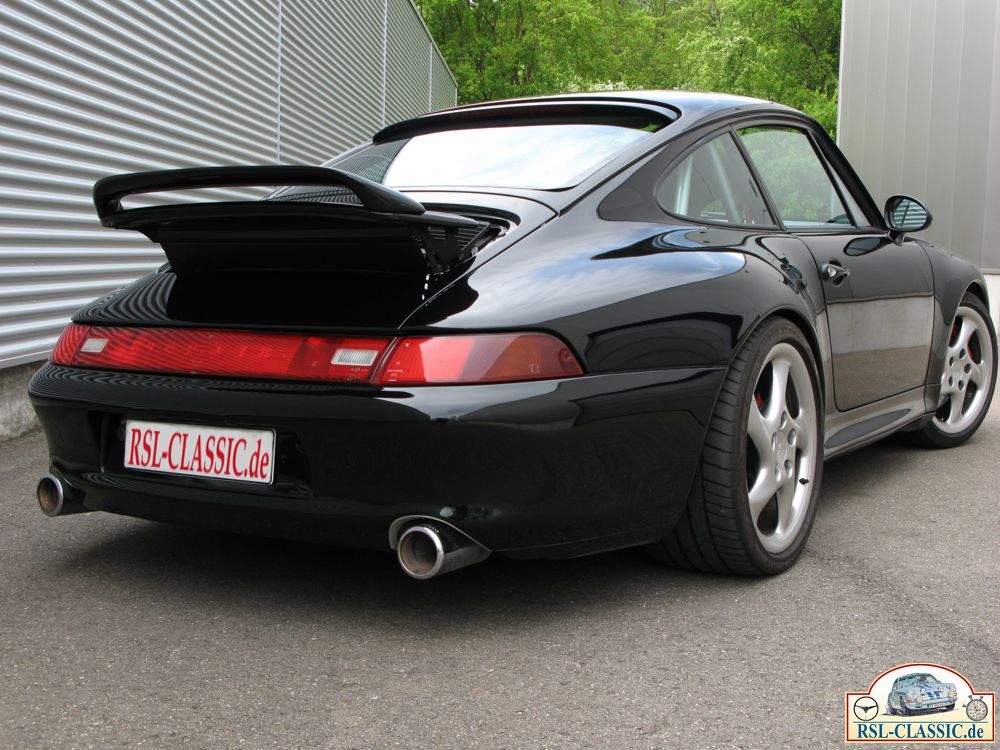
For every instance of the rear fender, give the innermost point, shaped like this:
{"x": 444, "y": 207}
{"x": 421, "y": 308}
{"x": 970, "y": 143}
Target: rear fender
{"x": 633, "y": 296}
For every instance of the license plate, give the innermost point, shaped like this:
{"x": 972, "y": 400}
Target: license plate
{"x": 193, "y": 450}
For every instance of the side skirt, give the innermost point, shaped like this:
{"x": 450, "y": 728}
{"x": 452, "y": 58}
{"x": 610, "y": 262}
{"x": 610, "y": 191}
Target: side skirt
{"x": 848, "y": 431}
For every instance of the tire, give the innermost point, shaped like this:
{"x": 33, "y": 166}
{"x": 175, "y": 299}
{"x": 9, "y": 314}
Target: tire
{"x": 948, "y": 428}
{"x": 718, "y": 532}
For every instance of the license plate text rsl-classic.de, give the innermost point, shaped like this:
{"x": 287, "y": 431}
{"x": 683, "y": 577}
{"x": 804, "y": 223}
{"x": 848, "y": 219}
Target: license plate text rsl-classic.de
{"x": 194, "y": 450}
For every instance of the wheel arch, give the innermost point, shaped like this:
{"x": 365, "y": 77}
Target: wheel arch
{"x": 796, "y": 318}
{"x": 979, "y": 291}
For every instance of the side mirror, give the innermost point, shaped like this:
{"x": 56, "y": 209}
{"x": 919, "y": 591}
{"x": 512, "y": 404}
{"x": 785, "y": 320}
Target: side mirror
{"x": 905, "y": 214}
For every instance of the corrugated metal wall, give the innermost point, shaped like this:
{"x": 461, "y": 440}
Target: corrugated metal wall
{"x": 920, "y": 112}
{"x": 408, "y": 66}
{"x": 96, "y": 87}
{"x": 444, "y": 93}
{"x": 318, "y": 67}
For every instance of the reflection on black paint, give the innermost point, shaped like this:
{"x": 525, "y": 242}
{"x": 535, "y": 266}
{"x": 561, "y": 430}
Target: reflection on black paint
{"x": 865, "y": 245}
{"x": 682, "y": 341}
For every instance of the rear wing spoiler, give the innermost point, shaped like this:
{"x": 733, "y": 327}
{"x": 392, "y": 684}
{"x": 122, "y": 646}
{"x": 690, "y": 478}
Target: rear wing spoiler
{"x": 288, "y": 232}
{"x": 108, "y": 192}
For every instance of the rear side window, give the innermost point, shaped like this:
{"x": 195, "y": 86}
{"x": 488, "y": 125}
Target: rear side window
{"x": 713, "y": 184}
{"x": 795, "y": 178}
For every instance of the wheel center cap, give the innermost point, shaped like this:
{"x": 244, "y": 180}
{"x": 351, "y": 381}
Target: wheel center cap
{"x": 780, "y": 447}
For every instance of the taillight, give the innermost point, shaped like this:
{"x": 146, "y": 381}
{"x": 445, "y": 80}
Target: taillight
{"x": 68, "y": 343}
{"x": 426, "y": 360}
{"x": 483, "y": 358}
{"x": 283, "y": 356}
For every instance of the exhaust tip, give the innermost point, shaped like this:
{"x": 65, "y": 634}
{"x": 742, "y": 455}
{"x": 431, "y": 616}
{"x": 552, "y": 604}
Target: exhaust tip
{"x": 430, "y": 549}
{"x": 50, "y": 494}
{"x": 420, "y": 552}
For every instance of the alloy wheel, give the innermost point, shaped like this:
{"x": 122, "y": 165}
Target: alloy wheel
{"x": 782, "y": 447}
{"x": 968, "y": 368}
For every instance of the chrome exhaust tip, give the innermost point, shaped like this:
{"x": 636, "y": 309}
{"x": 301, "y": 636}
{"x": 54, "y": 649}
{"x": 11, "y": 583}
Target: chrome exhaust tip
{"x": 425, "y": 550}
{"x": 53, "y": 498}
{"x": 421, "y": 552}
{"x": 50, "y": 494}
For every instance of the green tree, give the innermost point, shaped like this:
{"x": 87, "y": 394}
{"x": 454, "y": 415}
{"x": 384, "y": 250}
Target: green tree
{"x": 784, "y": 50}
{"x": 504, "y": 48}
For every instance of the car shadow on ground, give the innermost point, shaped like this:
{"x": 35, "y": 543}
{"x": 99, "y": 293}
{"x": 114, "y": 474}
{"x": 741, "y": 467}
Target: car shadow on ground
{"x": 285, "y": 575}
{"x": 254, "y": 572}
{"x": 846, "y": 476}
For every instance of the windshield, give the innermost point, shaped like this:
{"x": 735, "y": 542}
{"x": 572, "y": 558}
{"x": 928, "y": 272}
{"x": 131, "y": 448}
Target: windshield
{"x": 925, "y": 678}
{"x": 542, "y": 157}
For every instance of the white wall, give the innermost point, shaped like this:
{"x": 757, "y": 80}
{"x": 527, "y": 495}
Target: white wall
{"x": 993, "y": 289}
{"x": 920, "y": 112}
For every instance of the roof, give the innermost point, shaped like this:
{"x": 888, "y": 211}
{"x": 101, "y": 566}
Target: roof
{"x": 686, "y": 102}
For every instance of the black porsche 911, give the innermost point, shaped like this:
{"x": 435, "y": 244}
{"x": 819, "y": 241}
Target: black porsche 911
{"x": 542, "y": 328}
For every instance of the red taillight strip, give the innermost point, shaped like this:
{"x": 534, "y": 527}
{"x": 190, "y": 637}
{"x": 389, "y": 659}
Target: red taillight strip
{"x": 68, "y": 343}
{"x": 481, "y": 358}
{"x": 199, "y": 351}
{"x": 423, "y": 360}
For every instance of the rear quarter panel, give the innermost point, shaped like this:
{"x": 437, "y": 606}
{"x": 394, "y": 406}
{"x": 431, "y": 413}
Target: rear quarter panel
{"x": 634, "y": 295}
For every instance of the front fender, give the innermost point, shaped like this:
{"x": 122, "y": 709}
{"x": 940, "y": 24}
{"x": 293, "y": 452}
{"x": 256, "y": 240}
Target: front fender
{"x": 953, "y": 276}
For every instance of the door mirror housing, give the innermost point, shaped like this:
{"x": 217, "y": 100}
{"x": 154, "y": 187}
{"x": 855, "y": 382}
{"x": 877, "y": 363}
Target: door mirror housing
{"x": 905, "y": 214}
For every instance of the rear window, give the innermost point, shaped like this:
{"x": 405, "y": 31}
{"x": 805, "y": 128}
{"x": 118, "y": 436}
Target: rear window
{"x": 543, "y": 156}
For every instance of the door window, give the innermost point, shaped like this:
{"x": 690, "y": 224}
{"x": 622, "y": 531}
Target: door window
{"x": 856, "y": 215}
{"x": 795, "y": 178}
{"x": 713, "y": 184}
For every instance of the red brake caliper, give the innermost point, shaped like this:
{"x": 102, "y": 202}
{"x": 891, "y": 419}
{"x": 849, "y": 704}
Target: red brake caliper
{"x": 759, "y": 399}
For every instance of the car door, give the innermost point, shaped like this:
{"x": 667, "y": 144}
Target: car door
{"x": 879, "y": 295}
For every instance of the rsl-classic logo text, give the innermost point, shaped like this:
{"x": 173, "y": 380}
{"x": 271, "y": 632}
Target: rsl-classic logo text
{"x": 920, "y": 703}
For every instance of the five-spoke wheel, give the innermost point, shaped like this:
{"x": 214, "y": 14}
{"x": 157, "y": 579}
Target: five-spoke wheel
{"x": 968, "y": 372}
{"x": 968, "y": 377}
{"x": 754, "y": 499}
{"x": 781, "y": 449}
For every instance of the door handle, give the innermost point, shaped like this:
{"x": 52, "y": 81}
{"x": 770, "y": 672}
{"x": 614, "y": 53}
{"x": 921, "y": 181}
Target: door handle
{"x": 834, "y": 272}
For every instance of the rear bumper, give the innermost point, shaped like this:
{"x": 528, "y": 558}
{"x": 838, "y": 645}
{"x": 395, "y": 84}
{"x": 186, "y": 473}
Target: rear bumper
{"x": 551, "y": 468}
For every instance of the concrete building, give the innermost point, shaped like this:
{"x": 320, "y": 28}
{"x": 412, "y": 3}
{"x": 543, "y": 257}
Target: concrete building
{"x": 920, "y": 114}
{"x": 90, "y": 88}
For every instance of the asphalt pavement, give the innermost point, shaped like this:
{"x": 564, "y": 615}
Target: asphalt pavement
{"x": 116, "y": 632}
